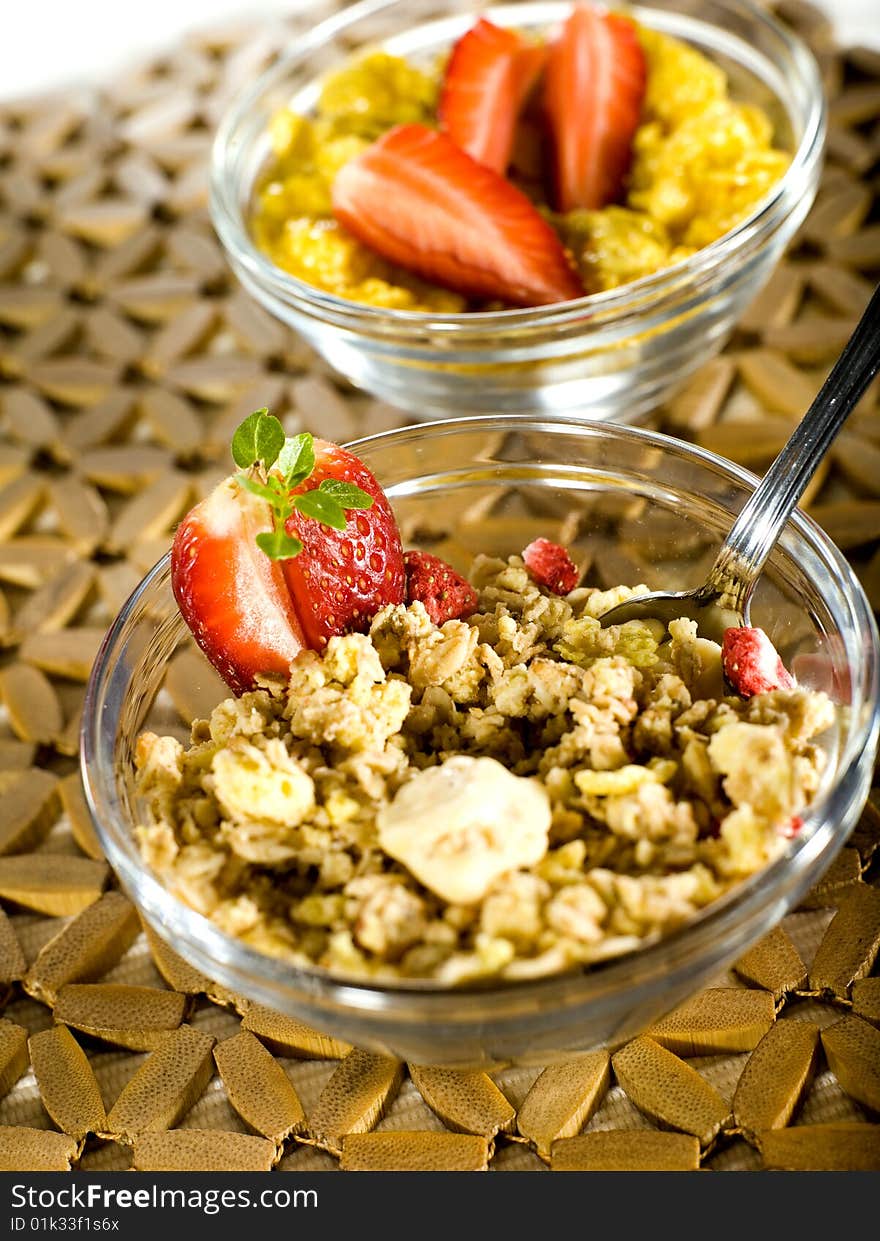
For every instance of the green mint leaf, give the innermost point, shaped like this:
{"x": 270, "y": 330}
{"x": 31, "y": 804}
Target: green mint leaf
{"x": 278, "y": 544}
{"x": 256, "y": 488}
{"x": 259, "y": 438}
{"x": 269, "y": 438}
{"x": 322, "y": 508}
{"x": 296, "y": 460}
{"x": 244, "y": 441}
{"x": 346, "y": 494}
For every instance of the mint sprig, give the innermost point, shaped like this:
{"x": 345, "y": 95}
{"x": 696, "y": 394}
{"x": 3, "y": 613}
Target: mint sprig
{"x": 275, "y": 465}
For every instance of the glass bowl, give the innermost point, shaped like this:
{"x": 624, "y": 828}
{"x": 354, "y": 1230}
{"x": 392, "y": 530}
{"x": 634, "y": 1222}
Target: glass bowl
{"x": 636, "y": 503}
{"x": 611, "y": 355}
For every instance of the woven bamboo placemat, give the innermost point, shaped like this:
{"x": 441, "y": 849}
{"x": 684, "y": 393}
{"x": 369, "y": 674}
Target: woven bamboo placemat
{"x": 127, "y": 355}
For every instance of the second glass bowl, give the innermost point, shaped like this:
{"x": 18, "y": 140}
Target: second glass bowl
{"x": 611, "y": 355}
{"x": 638, "y": 505}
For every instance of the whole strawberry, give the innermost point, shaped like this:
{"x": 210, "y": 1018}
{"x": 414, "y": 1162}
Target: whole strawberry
{"x": 300, "y": 545}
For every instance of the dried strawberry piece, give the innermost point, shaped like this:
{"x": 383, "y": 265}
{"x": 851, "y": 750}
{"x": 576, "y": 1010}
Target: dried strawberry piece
{"x": 445, "y": 594}
{"x": 792, "y": 827}
{"x": 751, "y": 663}
{"x": 550, "y": 565}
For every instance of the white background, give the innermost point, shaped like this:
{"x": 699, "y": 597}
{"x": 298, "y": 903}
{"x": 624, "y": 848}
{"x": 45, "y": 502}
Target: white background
{"x": 46, "y": 44}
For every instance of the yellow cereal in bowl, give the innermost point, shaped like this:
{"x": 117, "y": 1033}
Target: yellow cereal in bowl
{"x": 700, "y": 162}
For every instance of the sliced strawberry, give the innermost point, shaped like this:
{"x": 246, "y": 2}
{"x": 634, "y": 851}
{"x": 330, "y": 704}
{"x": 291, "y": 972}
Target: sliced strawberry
{"x": 488, "y": 78}
{"x": 445, "y": 593}
{"x": 231, "y": 595}
{"x": 550, "y": 565}
{"x": 594, "y": 87}
{"x": 751, "y": 663}
{"x": 418, "y": 200}
{"x": 341, "y": 578}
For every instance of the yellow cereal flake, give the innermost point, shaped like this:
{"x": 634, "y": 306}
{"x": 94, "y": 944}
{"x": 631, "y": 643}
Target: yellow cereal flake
{"x": 746, "y": 844}
{"x": 341, "y": 808}
{"x": 375, "y": 92}
{"x": 564, "y": 865}
{"x": 757, "y": 768}
{"x": 489, "y": 957}
{"x": 704, "y": 176}
{"x": 681, "y": 81}
{"x": 598, "y": 602}
{"x": 615, "y": 245}
{"x": 292, "y": 136}
{"x": 333, "y": 154}
{"x": 319, "y": 910}
{"x": 319, "y": 250}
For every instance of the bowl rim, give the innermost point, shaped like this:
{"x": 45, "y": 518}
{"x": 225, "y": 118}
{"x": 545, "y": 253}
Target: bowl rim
{"x": 632, "y": 296}
{"x": 821, "y": 836}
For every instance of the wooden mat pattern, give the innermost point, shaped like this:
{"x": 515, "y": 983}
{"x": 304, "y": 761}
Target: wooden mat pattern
{"x": 127, "y": 356}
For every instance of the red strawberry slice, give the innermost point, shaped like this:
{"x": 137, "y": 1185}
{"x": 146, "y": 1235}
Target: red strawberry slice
{"x": 417, "y": 199}
{"x": 751, "y": 663}
{"x": 445, "y": 593}
{"x": 341, "y": 578}
{"x": 594, "y": 87}
{"x": 488, "y": 78}
{"x": 550, "y": 565}
{"x": 231, "y": 595}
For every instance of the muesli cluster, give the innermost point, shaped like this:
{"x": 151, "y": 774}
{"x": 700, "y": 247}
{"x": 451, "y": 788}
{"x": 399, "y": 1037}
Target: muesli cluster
{"x": 513, "y": 793}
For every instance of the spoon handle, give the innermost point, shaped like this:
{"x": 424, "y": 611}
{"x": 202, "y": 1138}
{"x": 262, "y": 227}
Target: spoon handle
{"x": 760, "y": 522}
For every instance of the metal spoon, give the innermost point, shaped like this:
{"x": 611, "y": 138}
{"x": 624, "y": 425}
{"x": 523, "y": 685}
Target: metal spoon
{"x": 723, "y": 600}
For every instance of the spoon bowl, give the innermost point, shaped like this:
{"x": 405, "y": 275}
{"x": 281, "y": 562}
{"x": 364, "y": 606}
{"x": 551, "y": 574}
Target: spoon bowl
{"x": 722, "y": 602}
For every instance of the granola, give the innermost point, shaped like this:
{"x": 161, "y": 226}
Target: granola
{"x": 515, "y": 794}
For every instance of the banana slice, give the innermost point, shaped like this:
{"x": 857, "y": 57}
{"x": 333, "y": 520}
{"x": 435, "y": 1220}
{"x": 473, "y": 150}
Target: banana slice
{"x": 460, "y": 825}
{"x": 269, "y": 784}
